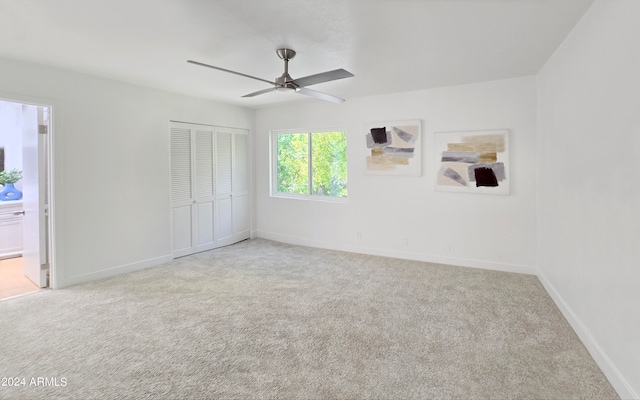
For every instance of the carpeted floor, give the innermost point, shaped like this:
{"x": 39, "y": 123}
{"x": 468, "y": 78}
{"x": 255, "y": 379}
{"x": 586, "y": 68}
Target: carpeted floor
{"x": 262, "y": 319}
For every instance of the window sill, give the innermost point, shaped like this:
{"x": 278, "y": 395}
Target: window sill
{"x": 321, "y": 199}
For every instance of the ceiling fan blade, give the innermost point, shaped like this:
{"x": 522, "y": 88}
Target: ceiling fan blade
{"x": 229, "y": 71}
{"x": 323, "y": 77}
{"x": 319, "y": 95}
{"x": 272, "y": 89}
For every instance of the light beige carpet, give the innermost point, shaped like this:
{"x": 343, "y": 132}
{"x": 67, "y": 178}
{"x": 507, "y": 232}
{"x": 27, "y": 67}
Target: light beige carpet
{"x": 266, "y": 320}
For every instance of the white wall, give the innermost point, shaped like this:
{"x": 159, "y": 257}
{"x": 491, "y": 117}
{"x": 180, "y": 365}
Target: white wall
{"x": 111, "y": 172}
{"x": 466, "y": 229}
{"x": 589, "y": 197}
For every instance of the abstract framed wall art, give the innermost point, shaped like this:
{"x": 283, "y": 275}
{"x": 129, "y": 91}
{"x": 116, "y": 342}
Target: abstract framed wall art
{"x": 472, "y": 161}
{"x": 394, "y": 148}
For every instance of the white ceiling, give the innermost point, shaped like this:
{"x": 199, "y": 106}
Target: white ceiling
{"x": 390, "y": 45}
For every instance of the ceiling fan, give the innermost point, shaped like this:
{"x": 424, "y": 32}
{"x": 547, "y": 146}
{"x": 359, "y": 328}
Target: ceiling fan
{"x": 285, "y": 83}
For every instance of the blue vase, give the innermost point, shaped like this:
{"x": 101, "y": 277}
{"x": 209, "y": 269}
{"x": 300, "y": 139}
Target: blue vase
{"x": 10, "y": 193}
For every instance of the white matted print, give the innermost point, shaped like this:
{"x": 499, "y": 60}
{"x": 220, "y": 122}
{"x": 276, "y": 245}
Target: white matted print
{"x": 472, "y": 161}
{"x": 394, "y": 148}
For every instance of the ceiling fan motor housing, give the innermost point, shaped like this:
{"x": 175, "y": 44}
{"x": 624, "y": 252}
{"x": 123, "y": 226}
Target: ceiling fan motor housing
{"x": 285, "y": 84}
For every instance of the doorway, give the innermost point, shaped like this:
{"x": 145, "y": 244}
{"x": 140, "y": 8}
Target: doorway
{"x": 25, "y": 134}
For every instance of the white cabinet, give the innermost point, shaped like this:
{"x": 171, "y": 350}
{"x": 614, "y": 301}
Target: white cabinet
{"x": 209, "y": 187}
{"x": 10, "y": 229}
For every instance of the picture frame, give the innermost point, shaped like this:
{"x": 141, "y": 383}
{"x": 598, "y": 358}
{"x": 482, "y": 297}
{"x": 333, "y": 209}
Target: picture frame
{"x": 393, "y": 148}
{"x": 472, "y": 161}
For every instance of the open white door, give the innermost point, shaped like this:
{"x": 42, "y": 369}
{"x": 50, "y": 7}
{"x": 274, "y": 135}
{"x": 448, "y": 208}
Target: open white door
{"x": 33, "y": 188}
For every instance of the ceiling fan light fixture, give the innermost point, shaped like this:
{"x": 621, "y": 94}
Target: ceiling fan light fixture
{"x": 286, "y": 89}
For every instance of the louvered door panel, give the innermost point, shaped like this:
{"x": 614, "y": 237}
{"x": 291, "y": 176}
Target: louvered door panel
{"x": 223, "y": 163}
{"x": 241, "y": 215}
{"x": 204, "y": 164}
{"x": 180, "y": 164}
{"x": 232, "y": 185}
{"x": 240, "y": 163}
{"x": 224, "y": 221}
{"x": 240, "y": 185}
{"x": 182, "y": 234}
{"x": 204, "y": 189}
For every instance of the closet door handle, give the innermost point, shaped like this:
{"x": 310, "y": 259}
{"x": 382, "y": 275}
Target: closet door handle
{"x": 19, "y": 212}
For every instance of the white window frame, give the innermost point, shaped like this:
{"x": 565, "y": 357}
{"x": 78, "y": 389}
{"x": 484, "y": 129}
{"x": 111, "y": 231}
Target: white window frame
{"x": 273, "y": 154}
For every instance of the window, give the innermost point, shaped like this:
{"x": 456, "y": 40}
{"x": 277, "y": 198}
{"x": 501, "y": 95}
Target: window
{"x": 309, "y": 164}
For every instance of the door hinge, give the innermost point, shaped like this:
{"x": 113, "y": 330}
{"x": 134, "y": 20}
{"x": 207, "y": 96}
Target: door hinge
{"x": 43, "y": 129}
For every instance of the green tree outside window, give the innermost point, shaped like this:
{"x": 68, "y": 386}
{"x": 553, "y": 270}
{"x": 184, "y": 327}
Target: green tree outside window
{"x": 324, "y": 154}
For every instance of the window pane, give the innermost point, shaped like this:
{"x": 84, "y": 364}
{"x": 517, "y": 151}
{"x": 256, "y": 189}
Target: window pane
{"x": 329, "y": 159}
{"x": 293, "y": 163}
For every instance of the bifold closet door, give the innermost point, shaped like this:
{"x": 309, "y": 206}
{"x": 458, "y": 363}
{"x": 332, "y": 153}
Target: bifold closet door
{"x": 192, "y": 188}
{"x": 232, "y": 185}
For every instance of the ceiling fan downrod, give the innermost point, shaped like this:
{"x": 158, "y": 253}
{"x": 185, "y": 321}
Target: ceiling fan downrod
{"x": 284, "y": 83}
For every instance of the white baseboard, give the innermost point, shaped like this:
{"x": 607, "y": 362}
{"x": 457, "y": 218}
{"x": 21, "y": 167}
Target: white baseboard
{"x": 625, "y": 391}
{"x": 407, "y": 255}
{"x": 11, "y": 254}
{"x": 109, "y": 272}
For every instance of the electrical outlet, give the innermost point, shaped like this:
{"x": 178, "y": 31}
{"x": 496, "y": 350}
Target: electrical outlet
{"x": 359, "y": 235}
